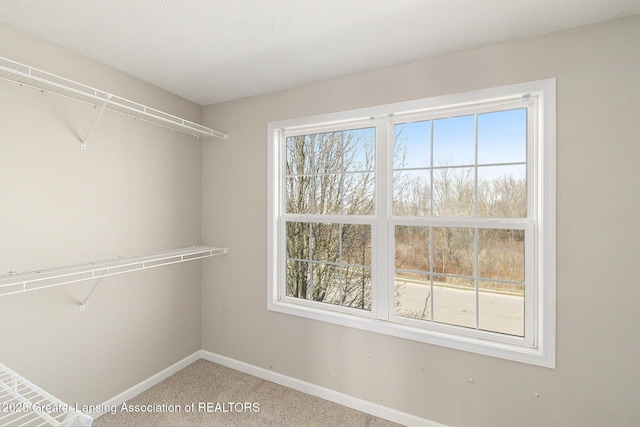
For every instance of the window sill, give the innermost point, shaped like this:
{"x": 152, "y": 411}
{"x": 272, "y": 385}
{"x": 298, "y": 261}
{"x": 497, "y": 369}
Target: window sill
{"x": 440, "y": 335}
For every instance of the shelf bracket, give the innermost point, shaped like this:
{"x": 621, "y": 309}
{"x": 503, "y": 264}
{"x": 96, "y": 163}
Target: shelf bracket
{"x": 83, "y": 143}
{"x": 83, "y": 303}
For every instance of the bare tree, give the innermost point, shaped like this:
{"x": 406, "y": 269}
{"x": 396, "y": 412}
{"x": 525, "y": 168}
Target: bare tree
{"x": 330, "y": 173}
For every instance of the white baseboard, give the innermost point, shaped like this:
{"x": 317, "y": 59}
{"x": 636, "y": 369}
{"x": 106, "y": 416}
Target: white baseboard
{"x": 293, "y": 383}
{"x": 117, "y": 401}
{"x": 321, "y": 392}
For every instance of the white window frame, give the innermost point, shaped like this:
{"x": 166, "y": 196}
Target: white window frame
{"x": 538, "y": 345}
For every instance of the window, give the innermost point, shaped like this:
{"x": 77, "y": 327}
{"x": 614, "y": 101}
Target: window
{"x": 330, "y": 175}
{"x": 432, "y": 220}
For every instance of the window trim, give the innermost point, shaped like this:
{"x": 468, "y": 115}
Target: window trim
{"x": 541, "y": 352}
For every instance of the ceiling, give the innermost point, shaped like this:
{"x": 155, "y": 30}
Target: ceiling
{"x": 210, "y": 51}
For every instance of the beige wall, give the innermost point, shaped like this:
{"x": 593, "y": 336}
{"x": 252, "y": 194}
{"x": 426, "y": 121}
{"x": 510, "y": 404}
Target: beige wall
{"x": 598, "y": 338}
{"x": 135, "y": 189}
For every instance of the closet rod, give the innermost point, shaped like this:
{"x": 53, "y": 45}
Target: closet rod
{"x": 26, "y": 75}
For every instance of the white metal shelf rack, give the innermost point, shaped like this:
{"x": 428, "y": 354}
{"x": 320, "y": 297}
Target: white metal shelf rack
{"x": 22, "y": 403}
{"x": 26, "y": 75}
{"x": 18, "y": 282}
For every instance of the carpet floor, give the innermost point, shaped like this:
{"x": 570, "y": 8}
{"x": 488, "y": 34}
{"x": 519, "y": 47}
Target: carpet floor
{"x": 208, "y": 394}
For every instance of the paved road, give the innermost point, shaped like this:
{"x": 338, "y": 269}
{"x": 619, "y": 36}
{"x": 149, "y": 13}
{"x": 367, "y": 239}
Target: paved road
{"x": 499, "y": 312}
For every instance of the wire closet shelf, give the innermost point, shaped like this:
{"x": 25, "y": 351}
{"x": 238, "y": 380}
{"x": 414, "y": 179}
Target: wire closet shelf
{"x": 18, "y": 282}
{"x": 26, "y": 75}
{"x": 23, "y": 403}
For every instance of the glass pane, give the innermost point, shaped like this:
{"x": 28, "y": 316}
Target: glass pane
{"x": 454, "y": 141}
{"x": 502, "y": 136}
{"x": 299, "y": 155}
{"x": 356, "y": 291}
{"x": 328, "y": 194}
{"x": 298, "y": 240}
{"x": 412, "y": 248}
{"x": 454, "y": 251}
{"x": 454, "y": 301}
{"x": 413, "y": 295}
{"x": 501, "y": 307}
{"x": 325, "y": 242}
{"x": 502, "y": 191}
{"x": 356, "y": 244}
{"x": 359, "y": 197}
{"x": 411, "y": 193}
{"x": 412, "y": 146}
{"x": 299, "y": 194}
{"x": 326, "y": 283}
{"x": 298, "y": 279}
{"x": 454, "y": 192}
{"x": 359, "y": 149}
{"x": 327, "y": 152}
{"x": 501, "y": 254}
